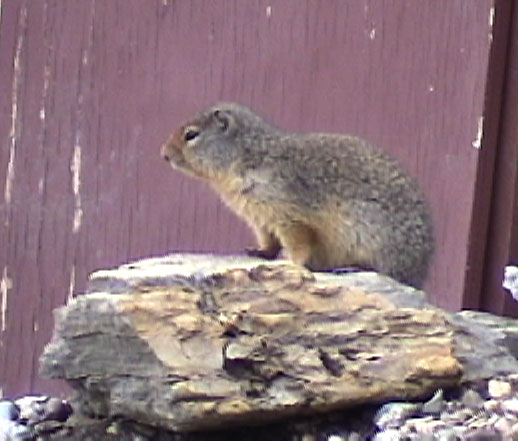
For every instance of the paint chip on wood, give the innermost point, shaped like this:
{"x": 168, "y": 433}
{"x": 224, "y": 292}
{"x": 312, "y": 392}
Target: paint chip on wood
{"x": 46, "y": 82}
{"x": 491, "y": 22}
{"x": 15, "y": 129}
{"x": 491, "y": 16}
{"x": 72, "y": 284}
{"x": 5, "y": 285}
{"x": 75, "y": 168}
{"x": 41, "y": 184}
{"x": 477, "y": 142}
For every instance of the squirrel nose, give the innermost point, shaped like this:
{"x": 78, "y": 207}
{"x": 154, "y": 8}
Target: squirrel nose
{"x": 163, "y": 153}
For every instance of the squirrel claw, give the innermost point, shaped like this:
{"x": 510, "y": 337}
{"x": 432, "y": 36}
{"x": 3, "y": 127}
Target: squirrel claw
{"x": 263, "y": 254}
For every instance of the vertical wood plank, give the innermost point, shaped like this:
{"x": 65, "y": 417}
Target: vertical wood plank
{"x": 489, "y": 124}
{"x": 502, "y": 237}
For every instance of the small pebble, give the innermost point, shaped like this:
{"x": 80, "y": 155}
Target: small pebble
{"x": 113, "y": 428}
{"x": 388, "y": 435}
{"x": 492, "y": 405}
{"x": 354, "y": 436}
{"x": 447, "y": 434}
{"x": 406, "y": 430}
{"x": 457, "y": 416}
{"x": 510, "y": 405}
{"x": 424, "y": 437}
{"x": 477, "y": 421}
{"x": 504, "y": 425}
{"x": 453, "y": 406}
{"x": 491, "y": 421}
{"x": 471, "y": 398}
{"x": 58, "y": 410}
{"x": 429, "y": 426}
{"x": 31, "y": 408}
{"x": 392, "y": 414}
{"x": 12, "y": 431}
{"x": 459, "y": 430}
{"x": 9, "y": 410}
{"x": 46, "y": 427}
{"x": 35, "y": 409}
{"x": 435, "y": 405}
{"x": 335, "y": 438}
{"x": 499, "y": 388}
{"x": 513, "y": 378}
{"x": 307, "y": 437}
{"x": 513, "y": 434}
{"x": 486, "y": 434}
{"x": 510, "y": 281}
{"x": 414, "y": 423}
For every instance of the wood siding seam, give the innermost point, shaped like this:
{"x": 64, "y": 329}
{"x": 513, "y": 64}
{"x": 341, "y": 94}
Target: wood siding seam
{"x": 500, "y": 24}
{"x": 502, "y": 237}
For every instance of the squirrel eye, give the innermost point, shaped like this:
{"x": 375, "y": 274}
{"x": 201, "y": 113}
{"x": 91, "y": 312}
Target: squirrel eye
{"x": 190, "y": 133}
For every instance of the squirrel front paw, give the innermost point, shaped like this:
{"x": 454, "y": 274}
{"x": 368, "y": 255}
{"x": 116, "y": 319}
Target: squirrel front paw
{"x": 268, "y": 254}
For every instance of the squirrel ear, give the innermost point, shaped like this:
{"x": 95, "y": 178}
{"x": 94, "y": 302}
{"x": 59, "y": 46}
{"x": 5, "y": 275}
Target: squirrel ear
{"x": 223, "y": 119}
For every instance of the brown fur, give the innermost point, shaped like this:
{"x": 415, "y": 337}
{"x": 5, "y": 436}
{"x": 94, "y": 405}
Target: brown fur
{"x": 330, "y": 201}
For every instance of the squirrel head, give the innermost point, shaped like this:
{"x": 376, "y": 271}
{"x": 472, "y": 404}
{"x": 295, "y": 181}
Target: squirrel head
{"x": 216, "y": 141}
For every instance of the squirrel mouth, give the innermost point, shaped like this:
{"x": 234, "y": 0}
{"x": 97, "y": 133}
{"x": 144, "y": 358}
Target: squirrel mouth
{"x": 178, "y": 162}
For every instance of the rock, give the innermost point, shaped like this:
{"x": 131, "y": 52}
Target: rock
{"x": 335, "y": 437}
{"x": 196, "y": 342}
{"x": 9, "y": 410}
{"x": 485, "y": 344}
{"x": 426, "y": 425}
{"x": 499, "y": 388}
{"x": 492, "y": 406}
{"x": 36, "y": 409}
{"x": 472, "y": 399}
{"x": 510, "y": 281}
{"x": 354, "y": 436}
{"x": 510, "y": 406}
{"x": 457, "y": 416}
{"x": 435, "y": 405}
{"x": 447, "y": 434}
{"x": 485, "y": 434}
{"x": 388, "y": 435}
{"x": 393, "y": 414}
{"x": 513, "y": 434}
{"x": 12, "y": 431}
{"x": 505, "y": 425}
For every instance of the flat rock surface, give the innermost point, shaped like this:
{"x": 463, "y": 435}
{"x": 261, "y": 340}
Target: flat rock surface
{"x": 190, "y": 342}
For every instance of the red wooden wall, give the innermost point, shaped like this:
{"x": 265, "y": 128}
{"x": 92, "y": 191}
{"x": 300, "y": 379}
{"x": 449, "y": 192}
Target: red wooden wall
{"x": 89, "y": 89}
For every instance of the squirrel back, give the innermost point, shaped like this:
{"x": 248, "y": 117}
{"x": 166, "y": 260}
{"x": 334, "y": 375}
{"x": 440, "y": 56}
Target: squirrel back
{"x": 330, "y": 200}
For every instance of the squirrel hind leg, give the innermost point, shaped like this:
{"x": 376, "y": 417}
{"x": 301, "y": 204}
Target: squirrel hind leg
{"x": 302, "y": 246}
{"x": 309, "y": 247}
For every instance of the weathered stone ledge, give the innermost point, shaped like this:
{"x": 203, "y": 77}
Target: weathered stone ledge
{"x": 190, "y": 342}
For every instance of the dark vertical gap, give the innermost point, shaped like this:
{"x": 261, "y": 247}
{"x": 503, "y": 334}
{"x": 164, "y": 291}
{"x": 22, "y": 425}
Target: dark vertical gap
{"x": 481, "y": 209}
{"x": 502, "y": 238}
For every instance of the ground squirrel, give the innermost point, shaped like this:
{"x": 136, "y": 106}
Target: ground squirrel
{"x": 330, "y": 200}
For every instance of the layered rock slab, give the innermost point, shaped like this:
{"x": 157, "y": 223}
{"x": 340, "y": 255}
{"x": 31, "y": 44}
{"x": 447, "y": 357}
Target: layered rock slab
{"x": 195, "y": 342}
